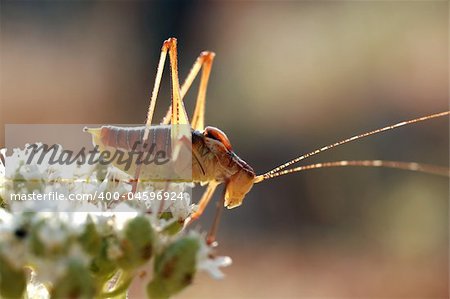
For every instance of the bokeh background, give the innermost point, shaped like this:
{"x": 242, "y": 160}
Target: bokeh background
{"x": 289, "y": 77}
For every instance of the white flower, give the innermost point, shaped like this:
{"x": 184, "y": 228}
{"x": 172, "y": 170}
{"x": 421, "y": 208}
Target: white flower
{"x": 61, "y": 223}
{"x": 48, "y": 270}
{"x": 35, "y": 289}
{"x": 53, "y": 234}
{"x": 121, "y": 214}
{"x": 6, "y": 221}
{"x": 181, "y": 208}
{"x": 205, "y": 259}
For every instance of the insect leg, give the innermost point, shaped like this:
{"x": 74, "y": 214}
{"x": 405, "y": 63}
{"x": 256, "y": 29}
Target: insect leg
{"x": 205, "y": 60}
{"x": 211, "y": 238}
{"x": 162, "y": 59}
{"x": 206, "y": 197}
{"x": 179, "y": 115}
{"x": 151, "y": 107}
{"x": 198, "y": 119}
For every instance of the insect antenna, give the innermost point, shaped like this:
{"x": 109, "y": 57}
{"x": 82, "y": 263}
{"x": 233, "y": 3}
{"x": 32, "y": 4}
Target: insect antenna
{"x": 413, "y": 166}
{"x": 277, "y": 171}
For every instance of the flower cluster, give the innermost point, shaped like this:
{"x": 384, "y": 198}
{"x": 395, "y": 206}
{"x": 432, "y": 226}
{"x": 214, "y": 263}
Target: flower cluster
{"x": 82, "y": 249}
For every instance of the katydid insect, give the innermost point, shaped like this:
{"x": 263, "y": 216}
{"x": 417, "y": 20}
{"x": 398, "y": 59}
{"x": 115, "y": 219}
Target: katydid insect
{"x": 213, "y": 159}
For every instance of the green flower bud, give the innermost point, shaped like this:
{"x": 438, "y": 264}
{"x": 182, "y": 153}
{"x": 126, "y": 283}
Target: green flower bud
{"x": 174, "y": 268}
{"x": 174, "y": 227}
{"x": 3, "y": 204}
{"x": 90, "y": 238}
{"x": 36, "y": 245}
{"x": 12, "y": 281}
{"x": 102, "y": 266}
{"x": 137, "y": 244}
{"x": 53, "y": 247}
{"x": 76, "y": 283}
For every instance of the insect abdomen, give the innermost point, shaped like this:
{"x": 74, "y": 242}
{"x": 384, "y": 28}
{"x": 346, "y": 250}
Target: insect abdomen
{"x": 124, "y": 148}
{"x": 131, "y": 138}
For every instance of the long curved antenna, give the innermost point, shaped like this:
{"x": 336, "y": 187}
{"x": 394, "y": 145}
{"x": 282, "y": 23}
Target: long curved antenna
{"x": 413, "y": 166}
{"x": 400, "y": 124}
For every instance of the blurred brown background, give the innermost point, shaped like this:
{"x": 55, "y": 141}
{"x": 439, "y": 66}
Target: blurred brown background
{"x": 288, "y": 78}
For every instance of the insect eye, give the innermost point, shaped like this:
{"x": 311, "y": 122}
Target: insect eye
{"x": 218, "y": 135}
